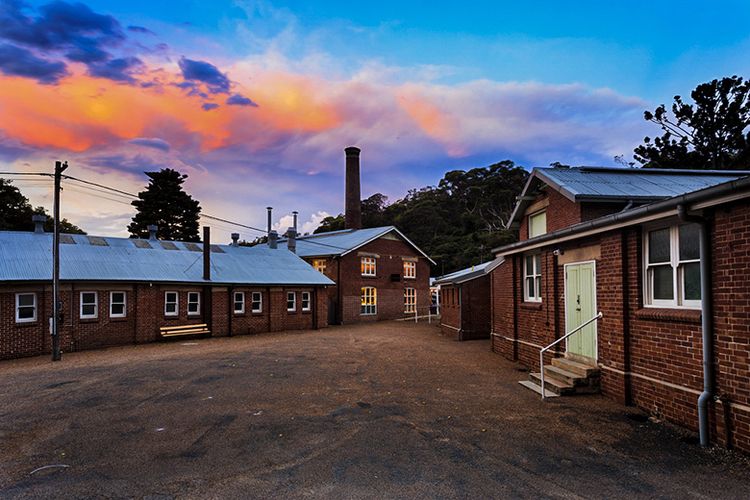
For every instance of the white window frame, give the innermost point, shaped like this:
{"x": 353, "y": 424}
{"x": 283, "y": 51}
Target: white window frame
{"x": 368, "y": 302}
{"x": 534, "y": 215}
{"x": 176, "y": 303}
{"x": 33, "y": 306}
{"x": 534, "y": 274}
{"x": 306, "y": 297}
{"x": 410, "y": 269}
{"x": 410, "y": 300}
{"x": 293, "y": 301}
{"x": 241, "y": 301}
{"x": 678, "y": 272}
{"x": 320, "y": 265}
{"x": 253, "y": 295}
{"x": 366, "y": 263}
{"x": 124, "y": 304}
{"x": 95, "y": 304}
{"x": 197, "y": 312}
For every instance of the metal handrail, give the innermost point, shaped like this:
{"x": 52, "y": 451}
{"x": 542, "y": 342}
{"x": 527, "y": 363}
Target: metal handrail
{"x": 574, "y": 330}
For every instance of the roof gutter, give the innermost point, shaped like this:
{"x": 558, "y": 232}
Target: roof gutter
{"x": 654, "y": 210}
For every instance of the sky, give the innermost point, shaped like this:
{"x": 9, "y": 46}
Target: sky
{"x": 256, "y": 100}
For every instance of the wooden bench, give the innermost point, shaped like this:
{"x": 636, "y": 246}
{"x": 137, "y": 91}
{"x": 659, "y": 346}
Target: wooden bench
{"x": 179, "y": 331}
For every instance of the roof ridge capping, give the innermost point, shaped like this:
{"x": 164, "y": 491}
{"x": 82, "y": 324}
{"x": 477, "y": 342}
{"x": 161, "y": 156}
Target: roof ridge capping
{"x": 643, "y": 170}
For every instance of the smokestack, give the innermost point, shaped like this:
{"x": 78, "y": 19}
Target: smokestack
{"x": 353, "y": 217}
{"x": 152, "y": 230}
{"x": 235, "y": 239}
{"x": 206, "y": 253}
{"x": 291, "y": 240}
{"x": 270, "y": 210}
{"x": 39, "y": 221}
{"x": 294, "y": 214}
{"x": 273, "y": 238}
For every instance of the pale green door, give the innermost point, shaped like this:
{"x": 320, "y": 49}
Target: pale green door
{"x": 580, "y": 306}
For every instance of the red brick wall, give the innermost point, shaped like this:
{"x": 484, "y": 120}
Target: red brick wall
{"x": 145, "y": 315}
{"x": 347, "y": 294}
{"x": 650, "y": 357}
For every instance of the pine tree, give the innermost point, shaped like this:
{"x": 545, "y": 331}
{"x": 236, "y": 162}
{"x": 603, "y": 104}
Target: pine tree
{"x": 165, "y": 204}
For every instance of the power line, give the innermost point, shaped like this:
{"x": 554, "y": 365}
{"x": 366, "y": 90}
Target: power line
{"x": 135, "y": 197}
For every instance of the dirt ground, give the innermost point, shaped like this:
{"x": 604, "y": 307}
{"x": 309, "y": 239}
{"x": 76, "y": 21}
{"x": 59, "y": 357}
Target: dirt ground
{"x": 371, "y": 411}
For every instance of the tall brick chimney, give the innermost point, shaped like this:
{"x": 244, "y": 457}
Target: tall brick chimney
{"x": 353, "y": 217}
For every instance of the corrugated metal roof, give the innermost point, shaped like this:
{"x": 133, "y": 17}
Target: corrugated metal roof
{"x": 26, "y": 256}
{"x": 631, "y": 183}
{"x": 469, "y": 273}
{"x": 345, "y": 241}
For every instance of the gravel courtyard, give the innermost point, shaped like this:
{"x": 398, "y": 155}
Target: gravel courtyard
{"x": 369, "y": 411}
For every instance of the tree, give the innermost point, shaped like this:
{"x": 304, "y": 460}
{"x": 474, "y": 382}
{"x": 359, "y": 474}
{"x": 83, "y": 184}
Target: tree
{"x": 165, "y": 204}
{"x": 16, "y": 212}
{"x": 711, "y": 133}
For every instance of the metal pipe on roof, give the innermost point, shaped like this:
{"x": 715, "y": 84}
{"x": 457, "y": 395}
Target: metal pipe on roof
{"x": 39, "y": 221}
{"x": 206, "y": 253}
{"x": 152, "y": 230}
{"x": 270, "y": 216}
{"x": 235, "y": 239}
{"x": 294, "y": 215}
{"x": 291, "y": 239}
{"x": 707, "y": 333}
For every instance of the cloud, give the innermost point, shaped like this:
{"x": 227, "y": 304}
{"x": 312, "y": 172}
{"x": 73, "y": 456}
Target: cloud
{"x": 141, "y": 29}
{"x": 120, "y": 69}
{"x": 205, "y": 72}
{"x": 208, "y": 106}
{"x": 306, "y": 227}
{"x": 239, "y": 100}
{"x": 151, "y": 142}
{"x": 18, "y": 61}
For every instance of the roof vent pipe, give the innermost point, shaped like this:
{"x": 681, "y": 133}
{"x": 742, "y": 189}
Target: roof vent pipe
{"x": 291, "y": 240}
{"x": 235, "y": 239}
{"x": 273, "y": 238}
{"x": 294, "y": 224}
{"x": 39, "y": 221}
{"x": 152, "y": 230}
{"x": 206, "y": 253}
{"x": 270, "y": 210}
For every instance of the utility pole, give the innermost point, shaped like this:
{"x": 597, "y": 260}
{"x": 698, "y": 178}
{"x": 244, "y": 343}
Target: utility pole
{"x": 56, "y": 309}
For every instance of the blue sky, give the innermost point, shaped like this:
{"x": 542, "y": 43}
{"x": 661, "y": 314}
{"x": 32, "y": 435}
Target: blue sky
{"x": 256, "y": 100}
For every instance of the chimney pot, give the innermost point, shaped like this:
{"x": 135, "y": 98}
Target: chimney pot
{"x": 353, "y": 208}
{"x": 291, "y": 240}
{"x": 235, "y": 239}
{"x": 273, "y": 238}
{"x": 270, "y": 211}
{"x": 39, "y": 221}
{"x": 152, "y": 230}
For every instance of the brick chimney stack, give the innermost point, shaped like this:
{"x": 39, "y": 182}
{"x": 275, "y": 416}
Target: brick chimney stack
{"x": 353, "y": 217}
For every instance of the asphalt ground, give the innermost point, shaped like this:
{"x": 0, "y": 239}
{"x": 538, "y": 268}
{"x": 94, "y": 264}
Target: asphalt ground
{"x": 391, "y": 410}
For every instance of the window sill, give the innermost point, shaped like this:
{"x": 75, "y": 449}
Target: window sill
{"x": 257, "y": 313}
{"x": 664, "y": 314}
{"x": 534, "y": 306}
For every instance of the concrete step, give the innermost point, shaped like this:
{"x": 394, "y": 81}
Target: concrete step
{"x": 575, "y": 367}
{"x": 536, "y": 388}
{"x": 553, "y": 384}
{"x": 562, "y": 374}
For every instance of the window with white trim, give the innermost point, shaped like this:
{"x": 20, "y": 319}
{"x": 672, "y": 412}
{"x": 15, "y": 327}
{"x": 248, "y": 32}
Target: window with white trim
{"x": 257, "y": 302}
{"x": 369, "y": 266}
{"x": 410, "y": 300}
{"x": 239, "y": 302}
{"x": 532, "y": 278}
{"x": 118, "y": 304}
{"x": 410, "y": 269}
{"x": 89, "y": 305}
{"x": 306, "y": 303}
{"x": 320, "y": 265}
{"x": 194, "y": 303}
{"x": 171, "y": 304}
{"x": 291, "y": 301}
{"x": 538, "y": 224}
{"x": 672, "y": 271}
{"x": 369, "y": 300}
{"x": 25, "y": 307}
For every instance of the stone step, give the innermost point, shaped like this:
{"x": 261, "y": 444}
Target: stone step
{"x": 536, "y": 388}
{"x": 553, "y": 384}
{"x": 566, "y": 376}
{"x": 575, "y": 367}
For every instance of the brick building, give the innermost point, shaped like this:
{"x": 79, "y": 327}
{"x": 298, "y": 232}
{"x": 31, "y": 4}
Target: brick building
{"x": 665, "y": 257}
{"x": 117, "y": 291}
{"x": 465, "y": 302}
{"x": 378, "y": 273}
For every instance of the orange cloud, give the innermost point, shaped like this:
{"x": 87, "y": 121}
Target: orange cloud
{"x": 432, "y": 120}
